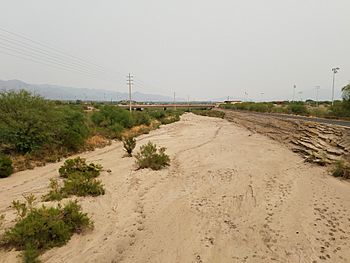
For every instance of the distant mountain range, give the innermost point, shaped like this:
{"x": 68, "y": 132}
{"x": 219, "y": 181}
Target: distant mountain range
{"x": 54, "y": 92}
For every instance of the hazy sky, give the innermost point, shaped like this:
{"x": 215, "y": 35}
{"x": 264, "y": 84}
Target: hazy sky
{"x": 200, "y": 48}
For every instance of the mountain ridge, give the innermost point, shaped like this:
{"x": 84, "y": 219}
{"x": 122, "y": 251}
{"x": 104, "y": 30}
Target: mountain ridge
{"x": 57, "y": 92}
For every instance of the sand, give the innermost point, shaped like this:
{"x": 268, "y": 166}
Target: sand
{"x": 228, "y": 196}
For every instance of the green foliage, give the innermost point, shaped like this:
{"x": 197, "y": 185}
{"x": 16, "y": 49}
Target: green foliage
{"x": 29, "y": 123}
{"x": 80, "y": 180}
{"x": 55, "y": 194}
{"x": 129, "y": 144}
{"x": 6, "y": 168}
{"x": 22, "y": 208}
{"x": 141, "y": 118}
{"x": 151, "y": 157}
{"x": 112, "y": 119}
{"x": 81, "y": 185}
{"x": 341, "y": 169}
{"x": 79, "y": 165}
{"x": 157, "y": 114}
{"x": 297, "y": 108}
{"x": 73, "y": 130}
{"x": 25, "y": 121}
{"x": 340, "y": 109}
{"x": 30, "y": 254}
{"x": 44, "y": 228}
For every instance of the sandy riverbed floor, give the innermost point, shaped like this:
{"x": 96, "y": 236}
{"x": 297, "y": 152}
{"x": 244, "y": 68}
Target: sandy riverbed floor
{"x": 228, "y": 196}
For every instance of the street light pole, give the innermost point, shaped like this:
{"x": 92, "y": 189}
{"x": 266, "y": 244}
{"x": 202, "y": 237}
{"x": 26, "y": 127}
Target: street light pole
{"x": 335, "y": 71}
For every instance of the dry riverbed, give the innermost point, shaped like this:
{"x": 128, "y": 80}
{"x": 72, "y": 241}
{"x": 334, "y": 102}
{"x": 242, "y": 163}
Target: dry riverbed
{"x": 230, "y": 195}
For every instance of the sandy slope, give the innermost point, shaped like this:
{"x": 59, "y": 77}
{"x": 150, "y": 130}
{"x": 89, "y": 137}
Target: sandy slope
{"x": 228, "y": 196}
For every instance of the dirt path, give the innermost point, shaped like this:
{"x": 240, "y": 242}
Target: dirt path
{"x": 228, "y": 196}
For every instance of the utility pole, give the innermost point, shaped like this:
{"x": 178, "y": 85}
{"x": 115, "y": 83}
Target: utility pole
{"x": 294, "y": 87}
{"x": 335, "y": 71}
{"x": 174, "y": 101}
{"x": 129, "y": 82}
{"x": 317, "y": 89}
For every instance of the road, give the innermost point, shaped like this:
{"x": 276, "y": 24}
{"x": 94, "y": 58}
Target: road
{"x": 229, "y": 195}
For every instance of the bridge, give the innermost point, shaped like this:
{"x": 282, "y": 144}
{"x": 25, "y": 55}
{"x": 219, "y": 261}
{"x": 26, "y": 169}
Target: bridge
{"x": 168, "y": 106}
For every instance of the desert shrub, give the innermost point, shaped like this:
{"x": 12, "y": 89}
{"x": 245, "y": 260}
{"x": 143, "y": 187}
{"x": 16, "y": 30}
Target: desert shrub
{"x": 80, "y": 180}
{"x": 72, "y": 131}
{"x": 297, "y": 108}
{"x": 141, "y": 118}
{"x": 28, "y": 123}
{"x": 318, "y": 112}
{"x": 44, "y": 228}
{"x": 79, "y": 165}
{"x": 55, "y": 194}
{"x": 80, "y": 185}
{"x": 341, "y": 169}
{"x": 112, "y": 118}
{"x": 340, "y": 109}
{"x": 129, "y": 144}
{"x": 157, "y": 114}
{"x": 151, "y": 157}
{"x": 6, "y": 168}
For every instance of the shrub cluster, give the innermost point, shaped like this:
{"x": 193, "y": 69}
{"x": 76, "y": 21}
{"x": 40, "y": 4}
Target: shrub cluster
{"x": 79, "y": 179}
{"x": 30, "y": 123}
{"x": 79, "y": 166}
{"x": 151, "y": 157}
{"x": 340, "y": 109}
{"x": 39, "y": 229}
{"x": 112, "y": 121}
{"x": 6, "y": 168}
{"x": 129, "y": 144}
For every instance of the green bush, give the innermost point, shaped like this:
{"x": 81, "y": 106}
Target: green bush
{"x": 73, "y": 130}
{"x": 44, "y": 228}
{"x": 80, "y": 180}
{"x": 6, "y": 168}
{"x": 297, "y": 108}
{"x": 80, "y": 185}
{"x": 341, "y": 169}
{"x": 55, "y": 194}
{"x": 157, "y": 114}
{"x": 141, "y": 118}
{"x": 29, "y": 123}
{"x": 129, "y": 144}
{"x": 79, "y": 165}
{"x": 109, "y": 116}
{"x": 151, "y": 157}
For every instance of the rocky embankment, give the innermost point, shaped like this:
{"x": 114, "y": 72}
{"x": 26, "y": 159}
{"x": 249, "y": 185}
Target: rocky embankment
{"x": 316, "y": 142}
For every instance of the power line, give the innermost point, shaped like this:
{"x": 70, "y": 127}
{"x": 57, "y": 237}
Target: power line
{"x": 48, "y": 60}
{"x": 43, "y": 53}
{"x": 43, "y": 44}
{"x": 46, "y": 64}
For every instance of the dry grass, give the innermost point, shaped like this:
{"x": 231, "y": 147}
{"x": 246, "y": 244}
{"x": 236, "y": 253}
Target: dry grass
{"x": 97, "y": 141}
